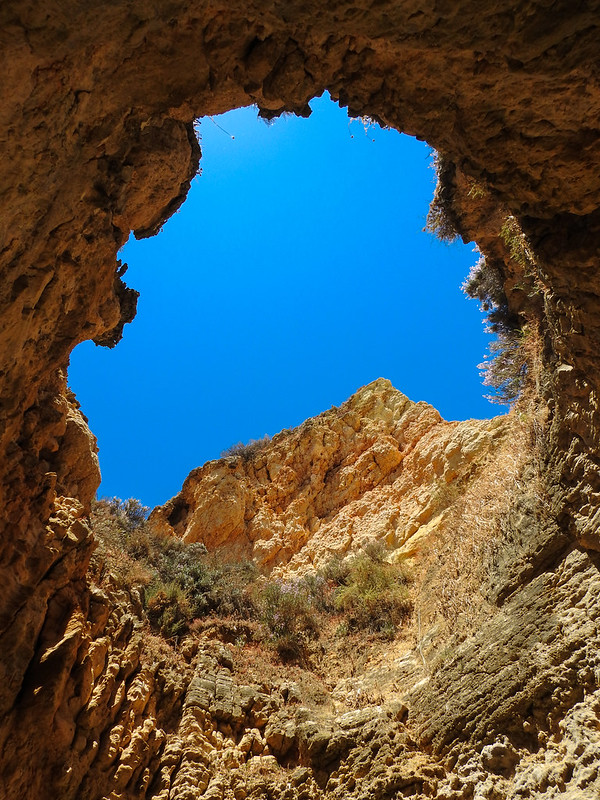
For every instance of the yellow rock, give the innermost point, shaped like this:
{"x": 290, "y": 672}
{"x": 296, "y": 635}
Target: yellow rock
{"x": 379, "y": 468}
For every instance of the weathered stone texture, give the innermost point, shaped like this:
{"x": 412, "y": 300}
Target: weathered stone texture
{"x": 97, "y": 140}
{"x": 379, "y": 469}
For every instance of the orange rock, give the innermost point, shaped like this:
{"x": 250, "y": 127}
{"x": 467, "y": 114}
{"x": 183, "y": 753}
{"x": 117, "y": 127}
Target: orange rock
{"x": 376, "y": 469}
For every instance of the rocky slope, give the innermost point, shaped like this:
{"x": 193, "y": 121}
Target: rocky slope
{"x": 489, "y": 691}
{"x": 96, "y": 135}
{"x": 378, "y": 469}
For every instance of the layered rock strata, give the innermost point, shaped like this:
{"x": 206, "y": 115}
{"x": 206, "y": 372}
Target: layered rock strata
{"x": 97, "y": 140}
{"x": 490, "y": 692}
{"x": 379, "y": 469}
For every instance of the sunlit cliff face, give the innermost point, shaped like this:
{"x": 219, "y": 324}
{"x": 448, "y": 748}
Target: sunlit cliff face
{"x": 98, "y": 140}
{"x": 114, "y": 150}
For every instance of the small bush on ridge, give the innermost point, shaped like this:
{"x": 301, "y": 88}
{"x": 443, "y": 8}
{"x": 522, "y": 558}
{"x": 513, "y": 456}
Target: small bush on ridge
{"x": 130, "y": 513}
{"x": 248, "y": 451}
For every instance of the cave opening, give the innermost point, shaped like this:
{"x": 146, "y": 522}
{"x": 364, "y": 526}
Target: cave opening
{"x": 296, "y": 271}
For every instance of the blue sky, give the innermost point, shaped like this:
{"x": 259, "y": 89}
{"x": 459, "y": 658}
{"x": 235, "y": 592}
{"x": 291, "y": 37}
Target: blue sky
{"x": 296, "y": 272}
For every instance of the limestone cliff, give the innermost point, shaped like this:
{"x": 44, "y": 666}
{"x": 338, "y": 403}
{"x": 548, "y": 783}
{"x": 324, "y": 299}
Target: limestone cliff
{"x": 96, "y": 136}
{"x": 378, "y": 469}
{"x": 488, "y": 691}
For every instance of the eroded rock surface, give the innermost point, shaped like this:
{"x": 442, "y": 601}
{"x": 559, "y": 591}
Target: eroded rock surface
{"x": 379, "y": 469}
{"x": 491, "y": 691}
{"x": 97, "y": 141}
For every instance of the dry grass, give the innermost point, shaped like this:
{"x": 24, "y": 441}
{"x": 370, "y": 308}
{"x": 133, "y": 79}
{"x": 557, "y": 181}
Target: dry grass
{"x": 454, "y": 568}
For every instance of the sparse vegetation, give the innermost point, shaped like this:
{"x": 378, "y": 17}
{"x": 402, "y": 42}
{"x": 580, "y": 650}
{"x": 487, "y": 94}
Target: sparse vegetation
{"x": 287, "y": 609}
{"x": 130, "y": 514}
{"x": 456, "y": 583}
{"x": 169, "y": 610}
{"x": 441, "y": 217}
{"x": 486, "y": 284}
{"x": 505, "y": 367}
{"x": 180, "y": 584}
{"x": 515, "y": 241}
{"x": 248, "y": 451}
{"x": 364, "y": 593}
{"x": 476, "y": 190}
{"x": 374, "y": 595}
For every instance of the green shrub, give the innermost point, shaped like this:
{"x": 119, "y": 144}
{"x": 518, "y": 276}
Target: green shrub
{"x": 168, "y": 609}
{"x": 182, "y": 581}
{"x": 336, "y": 570}
{"x": 319, "y": 587}
{"x": 286, "y": 609}
{"x": 211, "y": 585}
{"x": 375, "y": 595}
{"x": 232, "y": 581}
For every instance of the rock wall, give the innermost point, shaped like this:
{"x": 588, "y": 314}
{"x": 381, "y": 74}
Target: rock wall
{"x": 493, "y": 695}
{"x": 379, "y": 469}
{"x": 97, "y": 141}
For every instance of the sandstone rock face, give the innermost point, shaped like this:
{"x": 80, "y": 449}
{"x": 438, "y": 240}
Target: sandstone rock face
{"x": 97, "y": 140}
{"x": 379, "y": 469}
{"x": 491, "y": 692}
{"x": 96, "y": 704}
{"x": 509, "y": 708}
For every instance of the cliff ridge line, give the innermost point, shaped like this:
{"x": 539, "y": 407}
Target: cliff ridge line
{"x": 378, "y": 469}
